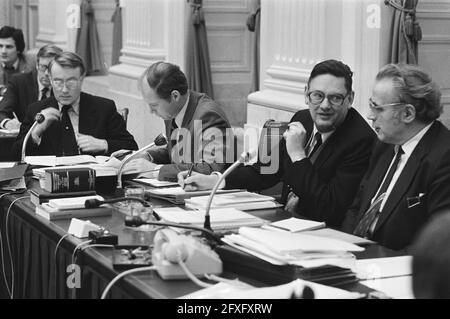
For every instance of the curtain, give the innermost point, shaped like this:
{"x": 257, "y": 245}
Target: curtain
{"x": 405, "y": 31}
{"x": 198, "y": 68}
{"x": 117, "y": 33}
{"x": 88, "y": 44}
{"x": 254, "y": 25}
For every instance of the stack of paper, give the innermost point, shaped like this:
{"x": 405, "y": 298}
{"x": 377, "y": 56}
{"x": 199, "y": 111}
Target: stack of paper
{"x": 281, "y": 248}
{"x": 240, "y": 200}
{"x": 177, "y": 195}
{"x": 221, "y": 219}
{"x": 154, "y": 182}
{"x": 71, "y": 202}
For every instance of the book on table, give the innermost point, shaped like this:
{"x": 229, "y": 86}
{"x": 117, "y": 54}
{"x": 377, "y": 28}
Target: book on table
{"x": 39, "y": 196}
{"x": 51, "y": 213}
{"x": 296, "y": 225}
{"x": 242, "y": 200}
{"x": 60, "y": 180}
{"x": 52, "y": 160}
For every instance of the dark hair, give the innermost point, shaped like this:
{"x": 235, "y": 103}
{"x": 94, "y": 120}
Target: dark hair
{"x": 336, "y": 68}
{"x": 48, "y": 51}
{"x": 16, "y": 34}
{"x": 431, "y": 259}
{"x": 68, "y": 59}
{"x": 415, "y": 87}
{"x": 165, "y": 77}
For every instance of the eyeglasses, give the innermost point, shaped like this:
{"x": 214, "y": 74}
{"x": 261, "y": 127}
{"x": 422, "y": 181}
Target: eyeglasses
{"x": 317, "y": 97}
{"x": 42, "y": 67}
{"x": 378, "y": 108}
{"x": 70, "y": 84}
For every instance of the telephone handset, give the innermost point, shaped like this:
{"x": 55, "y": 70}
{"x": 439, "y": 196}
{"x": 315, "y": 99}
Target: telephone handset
{"x": 199, "y": 258}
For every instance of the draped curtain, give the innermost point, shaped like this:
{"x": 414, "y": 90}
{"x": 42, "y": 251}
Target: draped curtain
{"x": 254, "y": 25}
{"x": 117, "y": 33}
{"x": 405, "y": 31}
{"x": 88, "y": 44}
{"x": 198, "y": 68}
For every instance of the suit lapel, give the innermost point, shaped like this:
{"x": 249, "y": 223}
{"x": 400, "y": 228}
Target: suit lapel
{"x": 190, "y": 109}
{"x": 54, "y": 131}
{"x": 33, "y": 83}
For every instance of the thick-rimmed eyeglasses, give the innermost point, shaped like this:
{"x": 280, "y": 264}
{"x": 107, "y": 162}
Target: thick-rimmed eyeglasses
{"x": 380, "y": 107}
{"x": 70, "y": 84}
{"x": 42, "y": 67}
{"x": 317, "y": 97}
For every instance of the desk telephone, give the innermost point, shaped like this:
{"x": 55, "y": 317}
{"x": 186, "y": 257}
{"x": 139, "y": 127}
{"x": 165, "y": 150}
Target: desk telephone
{"x": 199, "y": 258}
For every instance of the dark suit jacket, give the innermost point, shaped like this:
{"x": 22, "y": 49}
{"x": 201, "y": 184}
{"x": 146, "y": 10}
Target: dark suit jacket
{"x": 203, "y": 139}
{"x": 98, "y": 117}
{"x": 326, "y": 188}
{"x": 22, "y": 91}
{"x": 26, "y": 64}
{"x": 427, "y": 172}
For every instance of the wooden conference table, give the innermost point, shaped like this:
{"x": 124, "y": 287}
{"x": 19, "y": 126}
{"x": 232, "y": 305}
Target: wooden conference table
{"x": 40, "y": 273}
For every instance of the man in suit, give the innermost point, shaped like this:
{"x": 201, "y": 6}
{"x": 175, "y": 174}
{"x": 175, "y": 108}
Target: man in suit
{"x": 431, "y": 259}
{"x": 408, "y": 178}
{"x": 75, "y": 122}
{"x": 26, "y": 88}
{"x": 12, "y": 57}
{"x": 195, "y": 124}
{"x": 323, "y": 155}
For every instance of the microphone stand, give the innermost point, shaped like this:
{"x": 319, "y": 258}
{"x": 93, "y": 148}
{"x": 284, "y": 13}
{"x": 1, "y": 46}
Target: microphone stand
{"x": 245, "y": 157}
{"x": 39, "y": 118}
{"x": 159, "y": 141}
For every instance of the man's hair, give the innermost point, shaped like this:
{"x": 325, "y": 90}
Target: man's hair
{"x": 48, "y": 51}
{"x": 69, "y": 60}
{"x": 431, "y": 259}
{"x": 16, "y": 34}
{"x": 336, "y": 68}
{"x": 415, "y": 87}
{"x": 165, "y": 77}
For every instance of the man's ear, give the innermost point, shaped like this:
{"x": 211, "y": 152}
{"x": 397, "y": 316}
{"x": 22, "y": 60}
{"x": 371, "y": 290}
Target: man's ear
{"x": 175, "y": 95}
{"x": 351, "y": 97}
{"x": 409, "y": 113}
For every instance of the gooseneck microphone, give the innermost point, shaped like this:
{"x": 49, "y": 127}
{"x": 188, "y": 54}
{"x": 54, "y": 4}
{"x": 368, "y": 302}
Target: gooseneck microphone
{"x": 136, "y": 221}
{"x": 160, "y": 140}
{"x": 245, "y": 157}
{"x": 94, "y": 203}
{"x": 38, "y": 119}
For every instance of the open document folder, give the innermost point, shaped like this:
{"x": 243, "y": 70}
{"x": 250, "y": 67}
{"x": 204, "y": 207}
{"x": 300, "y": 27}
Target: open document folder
{"x": 280, "y": 248}
{"x": 238, "y": 290}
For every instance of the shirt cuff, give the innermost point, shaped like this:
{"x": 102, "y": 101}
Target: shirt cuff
{"x": 2, "y": 124}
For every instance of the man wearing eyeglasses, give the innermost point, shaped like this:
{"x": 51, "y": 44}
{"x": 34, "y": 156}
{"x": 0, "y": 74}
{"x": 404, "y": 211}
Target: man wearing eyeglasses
{"x": 26, "y": 88}
{"x": 75, "y": 122}
{"x": 323, "y": 156}
{"x": 408, "y": 178}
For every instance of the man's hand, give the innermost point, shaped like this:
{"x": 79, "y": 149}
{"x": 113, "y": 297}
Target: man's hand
{"x": 90, "y": 144}
{"x": 295, "y": 141}
{"x": 12, "y": 124}
{"x": 196, "y": 181}
{"x": 51, "y": 115}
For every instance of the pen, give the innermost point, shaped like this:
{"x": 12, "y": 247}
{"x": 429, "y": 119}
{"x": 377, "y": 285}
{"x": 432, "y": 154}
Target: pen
{"x": 190, "y": 171}
{"x": 15, "y": 115}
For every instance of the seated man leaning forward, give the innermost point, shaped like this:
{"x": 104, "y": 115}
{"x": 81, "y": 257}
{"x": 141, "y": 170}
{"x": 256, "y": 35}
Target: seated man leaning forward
{"x": 408, "y": 179}
{"x": 196, "y": 126}
{"x": 322, "y": 157}
{"x": 75, "y": 122}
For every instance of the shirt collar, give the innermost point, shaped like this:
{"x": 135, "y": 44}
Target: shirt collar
{"x": 180, "y": 115}
{"x": 75, "y": 106}
{"x": 409, "y": 146}
{"x": 15, "y": 64}
{"x": 324, "y": 136}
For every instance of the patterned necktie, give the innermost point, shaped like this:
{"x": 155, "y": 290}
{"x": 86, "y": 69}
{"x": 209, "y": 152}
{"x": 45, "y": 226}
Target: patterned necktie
{"x": 68, "y": 141}
{"x": 173, "y": 138}
{"x": 292, "y": 199}
{"x": 44, "y": 92}
{"x": 364, "y": 225}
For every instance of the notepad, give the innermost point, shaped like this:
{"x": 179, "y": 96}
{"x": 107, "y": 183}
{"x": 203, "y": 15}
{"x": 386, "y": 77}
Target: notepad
{"x": 154, "y": 182}
{"x": 226, "y": 218}
{"x": 296, "y": 224}
{"x": 177, "y": 195}
{"x": 51, "y": 160}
